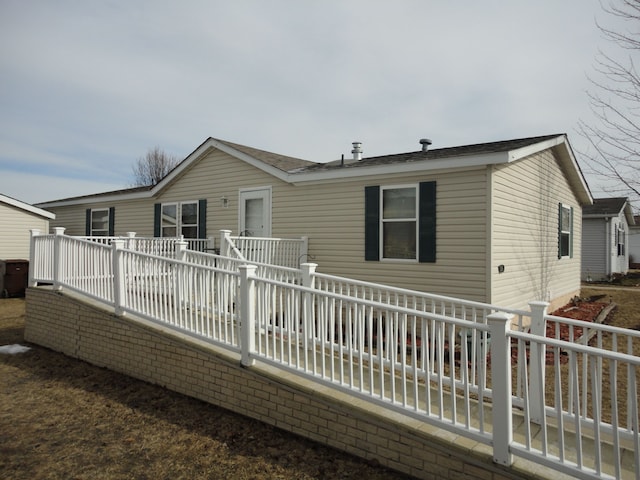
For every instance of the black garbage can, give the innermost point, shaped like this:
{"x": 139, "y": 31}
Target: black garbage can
{"x": 14, "y": 277}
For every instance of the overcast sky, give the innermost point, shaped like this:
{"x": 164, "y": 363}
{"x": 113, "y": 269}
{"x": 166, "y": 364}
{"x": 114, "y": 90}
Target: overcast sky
{"x": 86, "y": 87}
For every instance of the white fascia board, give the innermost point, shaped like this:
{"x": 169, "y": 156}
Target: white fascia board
{"x": 276, "y": 172}
{"x": 467, "y": 161}
{"x": 572, "y": 168}
{"x": 523, "y": 152}
{"x": 25, "y": 206}
{"x": 98, "y": 198}
{"x": 213, "y": 143}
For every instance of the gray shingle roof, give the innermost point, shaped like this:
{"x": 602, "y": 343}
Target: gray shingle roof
{"x": 436, "y": 153}
{"x": 605, "y": 206}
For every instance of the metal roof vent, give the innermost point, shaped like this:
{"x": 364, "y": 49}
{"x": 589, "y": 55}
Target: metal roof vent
{"x": 357, "y": 150}
{"x": 425, "y": 142}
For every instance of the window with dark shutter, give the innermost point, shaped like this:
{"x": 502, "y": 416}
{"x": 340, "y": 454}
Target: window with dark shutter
{"x": 400, "y": 222}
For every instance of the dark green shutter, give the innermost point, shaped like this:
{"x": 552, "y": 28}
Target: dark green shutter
{"x": 202, "y": 218}
{"x": 372, "y": 223}
{"x": 112, "y": 221}
{"x": 157, "y": 217}
{"x": 87, "y": 222}
{"x": 427, "y": 222}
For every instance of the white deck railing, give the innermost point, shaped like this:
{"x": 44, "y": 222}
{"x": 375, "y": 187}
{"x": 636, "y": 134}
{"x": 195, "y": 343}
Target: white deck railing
{"x": 445, "y": 361}
{"x": 285, "y": 252}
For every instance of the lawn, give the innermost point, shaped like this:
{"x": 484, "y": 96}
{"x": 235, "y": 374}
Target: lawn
{"x": 61, "y": 418}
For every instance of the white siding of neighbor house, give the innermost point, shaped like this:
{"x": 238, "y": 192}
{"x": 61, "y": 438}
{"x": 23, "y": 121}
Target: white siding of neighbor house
{"x": 595, "y": 249}
{"x": 634, "y": 244}
{"x": 524, "y": 226}
{"x": 15, "y": 226}
{"x": 619, "y": 263}
{"x": 601, "y": 258}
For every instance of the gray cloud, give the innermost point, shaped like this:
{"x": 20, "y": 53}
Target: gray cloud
{"x": 86, "y": 88}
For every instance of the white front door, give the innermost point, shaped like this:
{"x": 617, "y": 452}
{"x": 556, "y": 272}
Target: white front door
{"x": 255, "y": 212}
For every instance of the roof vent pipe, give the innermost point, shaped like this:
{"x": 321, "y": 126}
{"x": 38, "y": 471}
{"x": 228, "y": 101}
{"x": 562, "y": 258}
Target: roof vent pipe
{"x": 425, "y": 142}
{"x": 357, "y": 150}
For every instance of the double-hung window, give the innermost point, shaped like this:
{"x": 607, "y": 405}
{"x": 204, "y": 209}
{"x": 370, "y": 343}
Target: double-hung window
{"x": 565, "y": 231}
{"x": 400, "y": 222}
{"x": 620, "y": 240}
{"x": 181, "y": 218}
{"x": 100, "y": 222}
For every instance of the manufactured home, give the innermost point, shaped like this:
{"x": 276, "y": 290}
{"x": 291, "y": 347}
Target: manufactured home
{"x": 605, "y": 238}
{"x": 16, "y": 220}
{"x": 497, "y": 222}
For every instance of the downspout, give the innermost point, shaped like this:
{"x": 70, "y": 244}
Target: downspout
{"x": 608, "y": 242}
{"x": 489, "y": 237}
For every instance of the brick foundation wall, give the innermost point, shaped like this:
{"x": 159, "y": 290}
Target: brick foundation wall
{"x": 161, "y": 356}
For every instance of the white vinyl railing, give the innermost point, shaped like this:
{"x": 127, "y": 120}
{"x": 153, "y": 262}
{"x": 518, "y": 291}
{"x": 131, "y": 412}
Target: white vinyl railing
{"x": 162, "y": 246}
{"x": 474, "y": 369}
{"x": 285, "y": 252}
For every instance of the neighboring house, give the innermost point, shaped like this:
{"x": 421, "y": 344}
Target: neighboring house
{"x": 605, "y": 238}
{"x": 495, "y": 222}
{"x": 634, "y": 243}
{"x": 16, "y": 220}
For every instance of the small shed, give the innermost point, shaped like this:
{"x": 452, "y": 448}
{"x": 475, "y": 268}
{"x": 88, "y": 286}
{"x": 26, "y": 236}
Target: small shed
{"x": 605, "y": 238}
{"x": 16, "y": 220}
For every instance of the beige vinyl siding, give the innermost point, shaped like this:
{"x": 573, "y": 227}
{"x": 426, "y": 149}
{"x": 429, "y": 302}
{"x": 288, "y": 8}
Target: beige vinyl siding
{"x": 15, "y": 226}
{"x": 524, "y": 226}
{"x": 130, "y": 216}
{"x": 331, "y": 214}
{"x": 215, "y": 176}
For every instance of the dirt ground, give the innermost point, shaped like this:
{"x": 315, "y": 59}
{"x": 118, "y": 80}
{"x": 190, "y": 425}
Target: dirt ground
{"x": 61, "y": 418}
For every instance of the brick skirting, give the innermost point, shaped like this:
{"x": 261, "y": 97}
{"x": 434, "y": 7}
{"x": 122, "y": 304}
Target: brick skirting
{"x": 147, "y": 351}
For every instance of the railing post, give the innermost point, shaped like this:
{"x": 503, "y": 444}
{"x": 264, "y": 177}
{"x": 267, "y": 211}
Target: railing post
{"x": 181, "y": 250}
{"x": 225, "y": 246}
{"x": 181, "y": 255}
{"x": 537, "y": 359}
{"x": 308, "y": 280}
{"x": 32, "y": 256}
{"x": 501, "y": 386}
{"x": 118, "y": 276}
{"x": 57, "y": 257}
{"x": 211, "y": 245}
{"x": 247, "y": 314}
{"x": 304, "y": 249}
{"x": 130, "y": 240}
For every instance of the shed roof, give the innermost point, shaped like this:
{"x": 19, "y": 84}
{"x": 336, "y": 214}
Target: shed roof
{"x": 609, "y": 207}
{"x": 26, "y": 207}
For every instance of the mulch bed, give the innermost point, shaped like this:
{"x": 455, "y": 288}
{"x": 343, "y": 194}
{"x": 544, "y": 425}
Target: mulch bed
{"x": 584, "y": 310}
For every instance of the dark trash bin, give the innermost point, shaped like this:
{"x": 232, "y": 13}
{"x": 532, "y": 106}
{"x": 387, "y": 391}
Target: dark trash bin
{"x": 14, "y": 276}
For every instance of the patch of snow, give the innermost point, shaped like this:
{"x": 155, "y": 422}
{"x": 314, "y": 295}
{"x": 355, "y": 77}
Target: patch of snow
{"x": 13, "y": 349}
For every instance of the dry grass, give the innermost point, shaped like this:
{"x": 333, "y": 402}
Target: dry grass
{"x": 61, "y": 418}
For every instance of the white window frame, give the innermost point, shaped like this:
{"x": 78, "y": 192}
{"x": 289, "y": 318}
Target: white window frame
{"x": 620, "y": 240}
{"x": 414, "y": 219}
{"x": 566, "y": 230}
{"x": 94, "y": 231}
{"x": 179, "y": 225}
